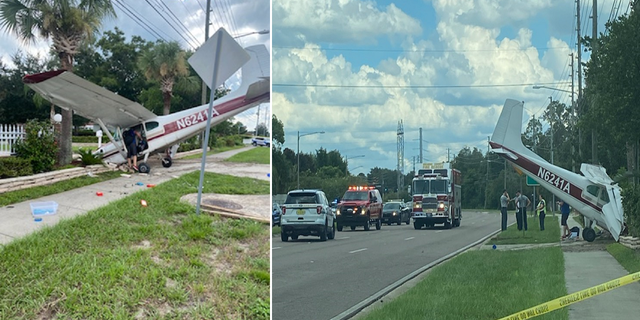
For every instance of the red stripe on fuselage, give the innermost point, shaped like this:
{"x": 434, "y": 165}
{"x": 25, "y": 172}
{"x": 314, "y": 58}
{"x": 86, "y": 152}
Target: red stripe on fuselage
{"x": 533, "y": 168}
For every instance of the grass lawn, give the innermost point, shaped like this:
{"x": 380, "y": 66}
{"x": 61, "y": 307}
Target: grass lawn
{"x": 125, "y": 261}
{"x": 256, "y": 155}
{"x": 483, "y": 284}
{"x": 212, "y": 151}
{"x": 61, "y": 186}
{"x": 551, "y": 233}
{"x": 628, "y": 258}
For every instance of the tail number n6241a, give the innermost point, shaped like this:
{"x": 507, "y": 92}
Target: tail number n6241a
{"x": 191, "y": 119}
{"x": 554, "y": 180}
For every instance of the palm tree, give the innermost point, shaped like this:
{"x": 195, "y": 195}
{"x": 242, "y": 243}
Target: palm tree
{"x": 164, "y": 62}
{"x": 68, "y": 23}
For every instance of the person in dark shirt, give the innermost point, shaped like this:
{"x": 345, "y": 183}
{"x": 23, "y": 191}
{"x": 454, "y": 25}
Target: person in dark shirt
{"x": 564, "y": 210}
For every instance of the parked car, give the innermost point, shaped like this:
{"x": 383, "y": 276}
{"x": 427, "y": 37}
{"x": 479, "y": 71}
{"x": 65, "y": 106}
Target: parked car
{"x": 276, "y": 214}
{"x": 259, "y": 141}
{"x": 395, "y": 212}
{"x": 306, "y": 213}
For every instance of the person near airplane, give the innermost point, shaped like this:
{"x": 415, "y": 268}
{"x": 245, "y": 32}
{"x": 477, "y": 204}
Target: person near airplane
{"x": 564, "y": 210}
{"x": 521, "y": 215}
{"x": 541, "y": 206}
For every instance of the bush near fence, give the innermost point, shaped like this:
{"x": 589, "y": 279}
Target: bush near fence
{"x": 11, "y": 167}
{"x": 631, "y": 206}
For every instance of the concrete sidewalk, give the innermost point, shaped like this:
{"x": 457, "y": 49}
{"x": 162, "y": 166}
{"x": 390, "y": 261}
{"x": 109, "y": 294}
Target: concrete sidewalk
{"x": 589, "y": 264}
{"x": 16, "y": 219}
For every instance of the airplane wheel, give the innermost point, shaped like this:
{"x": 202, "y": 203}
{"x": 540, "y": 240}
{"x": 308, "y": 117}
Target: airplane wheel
{"x": 144, "y": 167}
{"x": 166, "y": 162}
{"x": 588, "y": 234}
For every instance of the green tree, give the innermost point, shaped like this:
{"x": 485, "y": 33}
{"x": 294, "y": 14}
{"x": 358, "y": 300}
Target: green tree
{"x": 165, "y": 62}
{"x": 278, "y": 131}
{"x": 68, "y": 23}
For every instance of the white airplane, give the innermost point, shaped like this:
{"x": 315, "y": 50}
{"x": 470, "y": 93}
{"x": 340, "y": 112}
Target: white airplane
{"x": 163, "y": 133}
{"x": 593, "y": 194}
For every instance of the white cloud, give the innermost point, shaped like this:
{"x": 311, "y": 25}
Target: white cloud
{"x": 341, "y": 21}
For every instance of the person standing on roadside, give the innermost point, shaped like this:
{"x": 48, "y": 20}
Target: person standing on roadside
{"x": 521, "y": 215}
{"x": 504, "y": 202}
{"x": 541, "y": 205}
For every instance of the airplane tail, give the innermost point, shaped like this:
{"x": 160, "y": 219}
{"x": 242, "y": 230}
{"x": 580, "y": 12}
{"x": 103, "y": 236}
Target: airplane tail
{"x": 508, "y": 131}
{"x": 256, "y": 79}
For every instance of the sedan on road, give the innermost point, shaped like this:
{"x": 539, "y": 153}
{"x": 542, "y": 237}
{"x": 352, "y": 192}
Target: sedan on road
{"x": 395, "y": 212}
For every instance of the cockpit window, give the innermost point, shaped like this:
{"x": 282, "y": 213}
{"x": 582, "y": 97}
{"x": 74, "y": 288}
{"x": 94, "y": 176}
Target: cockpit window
{"x": 593, "y": 190}
{"x": 151, "y": 125}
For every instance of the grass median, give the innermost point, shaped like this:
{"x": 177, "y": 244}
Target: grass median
{"x": 533, "y": 235}
{"x": 126, "y": 261}
{"x": 256, "y": 155}
{"x": 483, "y": 284}
{"x": 61, "y": 186}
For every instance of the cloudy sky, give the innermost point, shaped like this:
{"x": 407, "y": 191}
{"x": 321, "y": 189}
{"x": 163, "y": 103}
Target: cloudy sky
{"x": 179, "y": 20}
{"x": 355, "y": 68}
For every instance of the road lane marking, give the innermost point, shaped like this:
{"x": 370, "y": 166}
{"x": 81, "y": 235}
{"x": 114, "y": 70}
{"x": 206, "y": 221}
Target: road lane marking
{"x": 344, "y": 238}
{"x": 438, "y": 231}
{"x": 354, "y": 251}
{"x": 409, "y": 238}
{"x": 276, "y": 248}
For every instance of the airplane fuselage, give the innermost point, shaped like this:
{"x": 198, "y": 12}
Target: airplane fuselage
{"x": 168, "y": 130}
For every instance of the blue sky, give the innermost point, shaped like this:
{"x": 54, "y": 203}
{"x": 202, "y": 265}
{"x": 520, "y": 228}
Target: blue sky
{"x": 354, "y": 68}
{"x": 238, "y": 17}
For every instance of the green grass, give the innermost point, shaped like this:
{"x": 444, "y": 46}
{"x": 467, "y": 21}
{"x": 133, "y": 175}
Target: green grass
{"x": 512, "y": 235}
{"x": 275, "y": 231}
{"x": 628, "y": 258}
{"x": 213, "y": 151}
{"x": 61, "y": 186}
{"x": 256, "y": 155}
{"x": 483, "y": 285}
{"x": 160, "y": 261}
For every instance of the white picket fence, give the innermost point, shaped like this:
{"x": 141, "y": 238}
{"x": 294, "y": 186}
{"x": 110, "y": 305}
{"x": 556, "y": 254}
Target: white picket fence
{"x": 9, "y": 134}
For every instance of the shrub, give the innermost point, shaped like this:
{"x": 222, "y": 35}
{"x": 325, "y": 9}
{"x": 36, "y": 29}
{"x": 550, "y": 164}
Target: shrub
{"x": 631, "y": 207}
{"x": 87, "y": 157}
{"x": 85, "y": 139}
{"x": 11, "y": 167}
{"x": 38, "y": 146}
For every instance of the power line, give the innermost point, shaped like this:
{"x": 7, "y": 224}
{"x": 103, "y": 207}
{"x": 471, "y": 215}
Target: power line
{"x": 179, "y": 22}
{"x": 417, "y": 51}
{"x": 171, "y": 25}
{"x": 131, "y": 14}
{"x": 412, "y": 86}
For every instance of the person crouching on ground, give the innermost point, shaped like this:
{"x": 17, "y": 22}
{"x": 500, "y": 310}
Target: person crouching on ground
{"x": 541, "y": 205}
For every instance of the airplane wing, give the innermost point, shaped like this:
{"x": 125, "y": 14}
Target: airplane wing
{"x": 613, "y": 213}
{"x": 87, "y": 99}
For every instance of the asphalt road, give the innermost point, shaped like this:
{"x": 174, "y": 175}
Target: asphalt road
{"x": 319, "y": 280}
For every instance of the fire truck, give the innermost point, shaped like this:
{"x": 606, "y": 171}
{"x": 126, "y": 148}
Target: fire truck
{"x": 436, "y": 196}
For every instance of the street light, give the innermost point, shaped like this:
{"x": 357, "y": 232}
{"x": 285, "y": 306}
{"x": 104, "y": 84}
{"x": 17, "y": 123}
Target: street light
{"x": 346, "y": 161}
{"x": 250, "y": 33}
{"x": 302, "y": 135}
{"x": 550, "y": 88}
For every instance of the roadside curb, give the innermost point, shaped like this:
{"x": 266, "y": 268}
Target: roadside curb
{"x": 351, "y": 312}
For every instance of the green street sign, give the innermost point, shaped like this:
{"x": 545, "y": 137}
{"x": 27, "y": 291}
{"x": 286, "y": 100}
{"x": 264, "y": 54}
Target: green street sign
{"x": 531, "y": 182}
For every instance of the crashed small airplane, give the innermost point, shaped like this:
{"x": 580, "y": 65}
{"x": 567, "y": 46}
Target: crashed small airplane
{"x": 593, "y": 194}
{"x": 163, "y": 133}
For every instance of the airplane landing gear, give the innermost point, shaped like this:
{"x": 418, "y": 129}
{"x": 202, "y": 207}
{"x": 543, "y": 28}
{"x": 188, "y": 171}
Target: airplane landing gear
{"x": 143, "y": 167}
{"x": 588, "y": 234}
{"x": 166, "y": 162}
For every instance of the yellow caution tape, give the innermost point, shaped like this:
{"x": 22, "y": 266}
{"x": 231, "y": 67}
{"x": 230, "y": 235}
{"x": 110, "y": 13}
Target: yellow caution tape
{"x": 573, "y": 298}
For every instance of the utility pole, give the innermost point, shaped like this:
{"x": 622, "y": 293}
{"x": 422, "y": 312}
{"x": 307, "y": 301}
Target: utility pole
{"x": 553, "y": 116}
{"x": 206, "y": 37}
{"x": 572, "y": 119}
{"x": 421, "y": 145}
{"x": 594, "y": 47}
{"x": 486, "y": 188}
{"x": 579, "y": 103}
